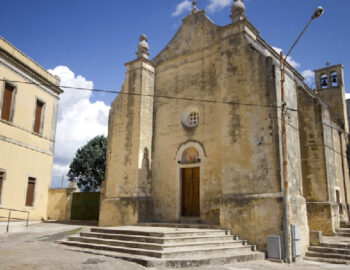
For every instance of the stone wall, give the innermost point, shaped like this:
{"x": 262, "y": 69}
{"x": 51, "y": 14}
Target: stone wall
{"x": 128, "y": 179}
{"x": 232, "y": 78}
{"x": 252, "y": 199}
{"x": 317, "y": 162}
{"x": 59, "y": 204}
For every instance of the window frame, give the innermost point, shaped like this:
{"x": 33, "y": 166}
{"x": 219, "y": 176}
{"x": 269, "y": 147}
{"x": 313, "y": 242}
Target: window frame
{"x": 34, "y": 192}
{"x": 13, "y": 101}
{"x": 2, "y": 187}
{"x": 42, "y": 117}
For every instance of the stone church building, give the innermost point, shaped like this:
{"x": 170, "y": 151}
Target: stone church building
{"x": 195, "y": 136}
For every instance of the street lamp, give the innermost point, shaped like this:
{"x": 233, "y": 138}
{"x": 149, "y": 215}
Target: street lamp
{"x": 317, "y": 13}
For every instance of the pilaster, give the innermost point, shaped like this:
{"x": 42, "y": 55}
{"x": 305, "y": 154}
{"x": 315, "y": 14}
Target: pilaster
{"x": 127, "y": 198}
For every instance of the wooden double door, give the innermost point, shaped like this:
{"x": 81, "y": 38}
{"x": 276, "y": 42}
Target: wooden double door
{"x": 190, "y": 192}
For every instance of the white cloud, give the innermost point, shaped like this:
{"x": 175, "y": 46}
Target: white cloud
{"x": 309, "y": 77}
{"x": 218, "y": 4}
{"x": 290, "y": 60}
{"x": 79, "y": 120}
{"x": 347, "y": 95}
{"x": 182, "y": 7}
{"x": 59, "y": 173}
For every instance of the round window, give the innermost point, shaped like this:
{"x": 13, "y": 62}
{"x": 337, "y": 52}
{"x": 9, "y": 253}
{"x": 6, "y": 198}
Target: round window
{"x": 190, "y": 117}
{"x": 193, "y": 119}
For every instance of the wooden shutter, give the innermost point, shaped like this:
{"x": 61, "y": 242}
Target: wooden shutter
{"x": 7, "y": 102}
{"x": 2, "y": 176}
{"x": 38, "y": 116}
{"x": 30, "y": 191}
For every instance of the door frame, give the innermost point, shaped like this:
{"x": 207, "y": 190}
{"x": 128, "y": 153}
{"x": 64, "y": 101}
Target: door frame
{"x": 201, "y": 151}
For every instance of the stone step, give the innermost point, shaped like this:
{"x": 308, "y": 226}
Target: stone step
{"x": 345, "y": 230}
{"x": 329, "y": 250}
{"x": 327, "y": 255}
{"x": 158, "y": 240}
{"x": 181, "y": 225}
{"x": 177, "y": 263}
{"x": 151, "y": 246}
{"x": 342, "y": 234}
{"x": 345, "y": 224}
{"x": 179, "y": 253}
{"x": 332, "y": 245}
{"x": 327, "y": 260}
{"x": 181, "y": 233}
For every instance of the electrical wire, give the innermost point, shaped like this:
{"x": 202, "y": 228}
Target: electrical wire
{"x": 147, "y": 95}
{"x": 180, "y": 98}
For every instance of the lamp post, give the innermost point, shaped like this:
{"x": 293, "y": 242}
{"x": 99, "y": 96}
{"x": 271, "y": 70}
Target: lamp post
{"x": 287, "y": 235}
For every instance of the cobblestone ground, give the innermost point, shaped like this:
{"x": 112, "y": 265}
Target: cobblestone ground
{"x": 36, "y": 249}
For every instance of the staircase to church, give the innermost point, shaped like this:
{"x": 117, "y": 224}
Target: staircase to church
{"x": 334, "y": 249}
{"x": 170, "y": 245}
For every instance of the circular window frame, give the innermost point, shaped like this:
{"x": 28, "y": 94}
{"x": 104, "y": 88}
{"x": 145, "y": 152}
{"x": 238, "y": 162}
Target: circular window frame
{"x": 190, "y": 117}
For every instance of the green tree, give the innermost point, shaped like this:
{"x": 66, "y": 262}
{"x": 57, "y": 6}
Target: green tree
{"x": 89, "y": 164}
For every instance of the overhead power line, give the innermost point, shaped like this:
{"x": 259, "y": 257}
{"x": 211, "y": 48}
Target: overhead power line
{"x": 187, "y": 99}
{"x": 147, "y": 95}
{"x": 173, "y": 97}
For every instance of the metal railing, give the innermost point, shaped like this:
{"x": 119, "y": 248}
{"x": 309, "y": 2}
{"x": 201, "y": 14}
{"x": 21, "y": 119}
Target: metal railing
{"x": 9, "y": 218}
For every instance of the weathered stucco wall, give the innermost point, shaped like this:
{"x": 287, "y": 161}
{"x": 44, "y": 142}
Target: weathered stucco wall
{"x": 232, "y": 78}
{"x": 60, "y": 204}
{"x": 317, "y": 163}
{"x": 297, "y": 212}
{"x": 128, "y": 182}
{"x": 341, "y": 171}
{"x": 312, "y": 149}
{"x": 194, "y": 77}
{"x": 252, "y": 201}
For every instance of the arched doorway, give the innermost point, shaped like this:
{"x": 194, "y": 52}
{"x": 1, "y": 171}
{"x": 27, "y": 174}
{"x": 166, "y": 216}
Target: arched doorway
{"x": 189, "y": 160}
{"x": 190, "y": 204}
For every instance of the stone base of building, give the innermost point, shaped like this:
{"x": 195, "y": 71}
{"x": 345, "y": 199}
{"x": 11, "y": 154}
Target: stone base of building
{"x": 125, "y": 211}
{"x": 253, "y": 217}
{"x": 323, "y": 216}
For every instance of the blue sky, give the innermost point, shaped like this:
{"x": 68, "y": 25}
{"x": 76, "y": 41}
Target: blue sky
{"x": 94, "y": 38}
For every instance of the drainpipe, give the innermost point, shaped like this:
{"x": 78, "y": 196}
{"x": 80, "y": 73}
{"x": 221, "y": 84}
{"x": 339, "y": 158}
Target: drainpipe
{"x": 285, "y": 184}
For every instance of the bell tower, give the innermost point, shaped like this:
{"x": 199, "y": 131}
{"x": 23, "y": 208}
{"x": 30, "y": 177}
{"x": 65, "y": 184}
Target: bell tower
{"x": 330, "y": 88}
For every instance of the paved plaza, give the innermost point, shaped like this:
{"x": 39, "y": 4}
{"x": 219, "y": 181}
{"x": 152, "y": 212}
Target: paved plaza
{"x": 35, "y": 249}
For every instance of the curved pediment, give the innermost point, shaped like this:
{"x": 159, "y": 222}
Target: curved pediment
{"x": 197, "y": 32}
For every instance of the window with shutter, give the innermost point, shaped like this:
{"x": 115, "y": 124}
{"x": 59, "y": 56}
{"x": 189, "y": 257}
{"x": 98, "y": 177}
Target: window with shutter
{"x": 2, "y": 178}
{"x": 30, "y": 191}
{"x": 7, "y": 102}
{"x": 38, "y": 116}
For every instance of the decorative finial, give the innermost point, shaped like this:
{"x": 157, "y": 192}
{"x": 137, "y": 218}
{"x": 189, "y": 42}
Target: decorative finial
{"x": 328, "y": 64}
{"x": 238, "y": 9}
{"x": 194, "y": 5}
{"x": 143, "y": 47}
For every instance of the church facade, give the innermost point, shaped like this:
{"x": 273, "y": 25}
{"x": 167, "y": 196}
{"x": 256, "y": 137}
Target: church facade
{"x": 195, "y": 136}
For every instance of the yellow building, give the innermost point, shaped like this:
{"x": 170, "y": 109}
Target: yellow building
{"x": 28, "y": 116}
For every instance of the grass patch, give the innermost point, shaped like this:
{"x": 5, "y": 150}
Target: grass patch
{"x": 75, "y": 231}
{"x": 59, "y": 236}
